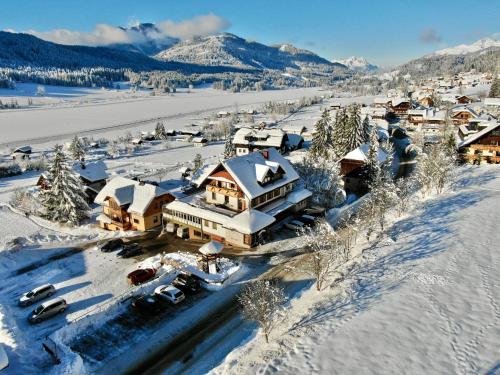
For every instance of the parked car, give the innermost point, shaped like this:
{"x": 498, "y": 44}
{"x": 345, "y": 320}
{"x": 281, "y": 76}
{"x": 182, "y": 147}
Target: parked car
{"x": 169, "y": 293}
{"x": 308, "y": 219}
{"x": 111, "y": 245}
{"x": 48, "y": 310}
{"x": 188, "y": 284}
{"x": 37, "y": 294}
{"x": 129, "y": 250}
{"x": 148, "y": 304}
{"x": 295, "y": 225}
{"x": 4, "y": 360}
{"x": 315, "y": 211}
{"x": 141, "y": 275}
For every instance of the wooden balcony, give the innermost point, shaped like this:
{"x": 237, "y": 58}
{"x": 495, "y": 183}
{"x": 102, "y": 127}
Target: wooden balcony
{"x": 225, "y": 191}
{"x": 485, "y": 159}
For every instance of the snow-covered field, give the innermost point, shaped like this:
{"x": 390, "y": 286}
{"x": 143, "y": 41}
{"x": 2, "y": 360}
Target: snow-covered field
{"x": 61, "y": 122}
{"x": 425, "y": 299}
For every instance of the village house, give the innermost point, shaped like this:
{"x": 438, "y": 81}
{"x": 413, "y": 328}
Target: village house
{"x": 240, "y": 198}
{"x": 247, "y": 140}
{"x": 462, "y": 115}
{"x": 483, "y": 146}
{"x": 131, "y": 205}
{"x": 352, "y": 168}
{"x": 22, "y": 152}
{"x": 92, "y": 175}
{"x": 492, "y": 102}
{"x": 400, "y": 106}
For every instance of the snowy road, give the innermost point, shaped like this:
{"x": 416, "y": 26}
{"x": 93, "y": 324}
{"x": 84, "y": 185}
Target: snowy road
{"x": 425, "y": 300}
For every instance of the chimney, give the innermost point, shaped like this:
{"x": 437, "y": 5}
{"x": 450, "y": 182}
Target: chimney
{"x": 265, "y": 153}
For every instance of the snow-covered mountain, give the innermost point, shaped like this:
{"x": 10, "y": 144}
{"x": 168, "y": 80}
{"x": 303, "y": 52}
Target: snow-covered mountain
{"x": 230, "y": 50}
{"x": 358, "y": 64}
{"x": 150, "y": 40}
{"x": 464, "y": 49}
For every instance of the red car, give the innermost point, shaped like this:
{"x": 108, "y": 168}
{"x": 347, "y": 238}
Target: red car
{"x": 141, "y": 275}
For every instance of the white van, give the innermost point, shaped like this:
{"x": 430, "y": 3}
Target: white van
{"x": 183, "y": 232}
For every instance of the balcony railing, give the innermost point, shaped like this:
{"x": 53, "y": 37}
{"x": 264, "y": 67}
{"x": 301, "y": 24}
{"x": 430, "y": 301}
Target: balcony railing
{"x": 225, "y": 191}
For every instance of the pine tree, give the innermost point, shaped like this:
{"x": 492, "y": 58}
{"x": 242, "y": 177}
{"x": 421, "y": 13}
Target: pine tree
{"x": 160, "y": 133}
{"x": 366, "y": 130}
{"x": 355, "y": 130}
{"x": 372, "y": 166}
{"x": 65, "y": 201}
{"x": 197, "y": 163}
{"x": 340, "y": 131}
{"x": 77, "y": 149}
{"x": 322, "y": 138}
{"x": 495, "y": 88}
{"x": 229, "y": 149}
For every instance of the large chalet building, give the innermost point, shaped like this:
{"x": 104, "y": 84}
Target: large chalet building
{"x": 482, "y": 146}
{"x": 131, "y": 205}
{"x": 247, "y": 140}
{"x": 240, "y": 199}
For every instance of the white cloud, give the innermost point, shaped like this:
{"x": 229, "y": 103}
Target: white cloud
{"x": 104, "y": 34}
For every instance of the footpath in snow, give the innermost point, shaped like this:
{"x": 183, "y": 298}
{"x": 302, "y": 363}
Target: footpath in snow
{"x": 425, "y": 299}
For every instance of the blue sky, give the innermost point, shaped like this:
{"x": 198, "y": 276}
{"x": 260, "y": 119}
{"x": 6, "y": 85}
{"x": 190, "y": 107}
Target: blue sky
{"x": 385, "y": 32}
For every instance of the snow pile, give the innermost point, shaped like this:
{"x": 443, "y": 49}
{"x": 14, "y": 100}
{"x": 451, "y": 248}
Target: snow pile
{"x": 189, "y": 263}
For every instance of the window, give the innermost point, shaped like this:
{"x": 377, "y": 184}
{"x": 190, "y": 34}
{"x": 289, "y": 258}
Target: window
{"x": 207, "y": 223}
{"x": 197, "y": 233}
{"x": 247, "y": 239}
{"x": 214, "y": 225}
{"x": 136, "y": 221}
{"x": 155, "y": 219}
{"x": 214, "y": 196}
{"x": 226, "y": 199}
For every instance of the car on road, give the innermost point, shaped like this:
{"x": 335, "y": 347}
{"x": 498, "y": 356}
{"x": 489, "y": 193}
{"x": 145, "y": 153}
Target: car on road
{"x": 295, "y": 225}
{"x": 308, "y": 219}
{"x": 169, "y": 293}
{"x": 37, "y": 294}
{"x": 188, "y": 284}
{"x": 148, "y": 304}
{"x": 48, "y": 310}
{"x": 141, "y": 275}
{"x": 315, "y": 211}
{"x": 111, "y": 245}
{"x": 130, "y": 250}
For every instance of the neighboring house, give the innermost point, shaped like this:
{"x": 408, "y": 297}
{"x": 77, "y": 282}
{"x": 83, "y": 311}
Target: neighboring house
{"x": 483, "y": 145}
{"x": 492, "y": 102}
{"x": 400, "y": 106}
{"x": 352, "y": 168}
{"x": 131, "y": 205}
{"x": 426, "y": 116}
{"x": 464, "y": 99}
{"x": 247, "y": 140}
{"x": 241, "y": 199}
{"x": 199, "y": 141}
{"x": 426, "y": 101}
{"x": 92, "y": 175}
{"x": 462, "y": 115}
{"x": 23, "y": 152}
{"x": 374, "y": 112}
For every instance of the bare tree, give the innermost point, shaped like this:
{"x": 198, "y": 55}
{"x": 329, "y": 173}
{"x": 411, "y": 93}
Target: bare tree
{"x": 262, "y": 302}
{"x": 324, "y": 252}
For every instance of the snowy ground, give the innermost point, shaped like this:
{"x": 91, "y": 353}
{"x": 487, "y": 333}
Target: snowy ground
{"x": 423, "y": 300}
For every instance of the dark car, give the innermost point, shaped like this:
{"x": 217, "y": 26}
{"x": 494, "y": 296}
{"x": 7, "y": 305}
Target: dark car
{"x": 148, "y": 304}
{"x": 130, "y": 250}
{"x": 308, "y": 219}
{"x": 111, "y": 245}
{"x": 141, "y": 275}
{"x": 189, "y": 284}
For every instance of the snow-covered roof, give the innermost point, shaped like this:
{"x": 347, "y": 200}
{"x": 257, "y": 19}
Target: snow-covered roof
{"x": 95, "y": 171}
{"x": 250, "y": 221}
{"x": 244, "y": 171}
{"x": 124, "y": 191}
{"x": 479, "y": 134}
{"x": 212, "y": 247}
{"x": 298, "y": 195}
{"x": 202, "y": 174}
{"x": 397, "y": 101}
{"x": 23, "y": 150}
{"x": 379, "y": 100}
{"x": 459, "y": 109}
{"x": 199, "y": 140}
{"x": 361, "y": 154}
{"x": 260, "y": 137}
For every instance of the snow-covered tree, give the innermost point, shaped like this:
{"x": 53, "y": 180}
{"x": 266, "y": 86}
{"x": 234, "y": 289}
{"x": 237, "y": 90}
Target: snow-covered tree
{"x": 197, "y": 162}
{"x": 25, "y": 201}
{"x": 229, "y": 149}
{"x": 322, "y": 139}
{"x": 354, "y": 133}
{"x": 495, "y": 88}
{"x": 40, "y": 90}
{"x": 160, "y": 133}
{"x": 77, "y": 149}
{"x": 340, "y": 134}
{"x": 324, "y": 252}
{"x": 321, "y": 175}
{"x": 405, "y": 187}
{"x": 64, "y": 201}
{"x": 372, "y": 165}
{"x": 435, "y": 167}
{"x": 366, "y": 130}
{"x": 262, "y": 302}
